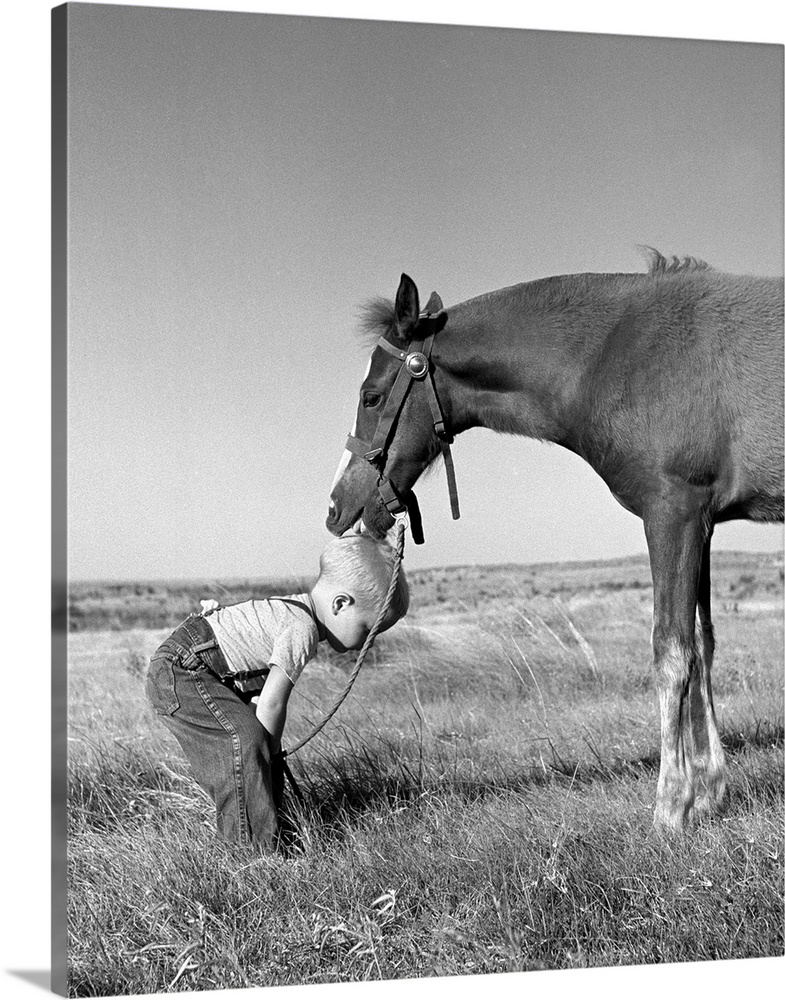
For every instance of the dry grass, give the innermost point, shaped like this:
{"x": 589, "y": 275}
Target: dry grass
{"x": 481, "y": 803}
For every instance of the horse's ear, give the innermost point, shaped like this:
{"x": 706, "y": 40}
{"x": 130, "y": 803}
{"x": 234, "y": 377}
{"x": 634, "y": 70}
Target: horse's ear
{"x": 407, "y": 308}
{"x": 435, "y": 313}
{"x": 434, "y": 304}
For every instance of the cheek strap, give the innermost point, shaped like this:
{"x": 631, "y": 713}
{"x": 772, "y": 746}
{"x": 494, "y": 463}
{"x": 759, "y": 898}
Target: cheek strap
{"x": 415, "y": 366}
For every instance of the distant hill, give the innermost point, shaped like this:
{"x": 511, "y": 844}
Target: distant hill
{"x": 97, "y": 605}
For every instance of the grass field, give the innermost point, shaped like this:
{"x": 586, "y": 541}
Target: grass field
{"x": 481, "y": 803}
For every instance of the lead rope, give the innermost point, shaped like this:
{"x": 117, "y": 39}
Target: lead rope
{"x": 401, "y": 521}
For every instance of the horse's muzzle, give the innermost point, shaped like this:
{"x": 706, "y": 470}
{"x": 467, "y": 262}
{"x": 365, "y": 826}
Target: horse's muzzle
{"x": 341, "y": 521}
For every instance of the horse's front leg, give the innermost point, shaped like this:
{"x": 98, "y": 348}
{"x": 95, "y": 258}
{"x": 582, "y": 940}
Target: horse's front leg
{"x": 675, "y": 541}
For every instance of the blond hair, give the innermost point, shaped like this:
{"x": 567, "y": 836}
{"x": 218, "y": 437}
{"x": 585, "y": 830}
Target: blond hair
{"x": 364, "y": 566}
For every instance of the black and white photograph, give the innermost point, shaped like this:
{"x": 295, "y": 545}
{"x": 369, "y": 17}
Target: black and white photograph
{"x": 417, "y": 502}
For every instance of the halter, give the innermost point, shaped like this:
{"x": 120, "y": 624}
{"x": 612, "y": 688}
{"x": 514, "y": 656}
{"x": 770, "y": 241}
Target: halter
{"x": 415, "y": 366}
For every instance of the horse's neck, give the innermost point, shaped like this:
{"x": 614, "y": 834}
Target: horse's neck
{"x": 516, "y": 360}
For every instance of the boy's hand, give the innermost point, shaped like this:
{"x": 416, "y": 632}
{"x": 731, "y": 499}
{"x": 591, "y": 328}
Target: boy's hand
{"x": 209, "y": 605}
{"x": 277, "y": 778}
{"x": 276, "y": 770}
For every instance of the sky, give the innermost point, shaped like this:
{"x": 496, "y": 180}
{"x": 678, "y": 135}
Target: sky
{"x": 240, "y": 183}
{"x": 25, "y": 415}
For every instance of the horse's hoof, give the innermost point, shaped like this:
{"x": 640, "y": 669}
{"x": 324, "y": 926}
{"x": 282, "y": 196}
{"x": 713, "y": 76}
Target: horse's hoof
{"x": 673, "y": 816}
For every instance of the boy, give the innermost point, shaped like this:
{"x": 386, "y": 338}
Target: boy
{"x": 204, "y": 678}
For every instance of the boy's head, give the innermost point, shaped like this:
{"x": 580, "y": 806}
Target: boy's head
{"x": 354, "y": 577}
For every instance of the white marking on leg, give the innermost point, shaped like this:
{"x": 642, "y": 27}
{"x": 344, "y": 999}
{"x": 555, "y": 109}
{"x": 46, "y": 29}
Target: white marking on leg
{"x": 675, "y": 788}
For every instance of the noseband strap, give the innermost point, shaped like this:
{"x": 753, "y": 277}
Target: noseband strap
{"x": 416, "y": 366}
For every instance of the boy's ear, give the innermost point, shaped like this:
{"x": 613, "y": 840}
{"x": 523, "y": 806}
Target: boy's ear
{"x": 341, "y": 601}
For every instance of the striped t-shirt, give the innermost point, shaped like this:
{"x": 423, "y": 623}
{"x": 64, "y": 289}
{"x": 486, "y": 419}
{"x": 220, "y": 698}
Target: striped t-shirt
{"x": 254, "y": 634}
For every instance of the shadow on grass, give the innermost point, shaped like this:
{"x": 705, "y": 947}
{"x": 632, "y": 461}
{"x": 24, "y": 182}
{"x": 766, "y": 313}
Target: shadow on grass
{"x": 344, "y": 783}
{"x": 121, "y": 785}
{"x": 341, "y": 786}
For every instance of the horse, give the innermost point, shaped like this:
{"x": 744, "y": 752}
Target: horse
{"x": 668, "y": 382}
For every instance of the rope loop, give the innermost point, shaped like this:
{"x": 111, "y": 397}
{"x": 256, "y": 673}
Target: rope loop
{"x": 401, "y": 523}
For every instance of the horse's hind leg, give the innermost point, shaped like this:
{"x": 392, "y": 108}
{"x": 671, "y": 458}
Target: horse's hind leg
{"x": 675, "y": 541}
{"x": 709, "y": 757}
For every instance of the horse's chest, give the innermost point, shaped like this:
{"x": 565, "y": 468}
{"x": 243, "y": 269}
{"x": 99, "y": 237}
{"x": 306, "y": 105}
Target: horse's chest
{"x": 623, "y": 503}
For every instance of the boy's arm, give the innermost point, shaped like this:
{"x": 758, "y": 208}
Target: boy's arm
{"x": 271, "y": 707}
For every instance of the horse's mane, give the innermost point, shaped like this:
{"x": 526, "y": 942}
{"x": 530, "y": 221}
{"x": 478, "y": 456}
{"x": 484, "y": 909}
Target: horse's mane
{"x": 660, "y": 264}
{"x": 376, "y": 316}
{"x": 375, "y": 319}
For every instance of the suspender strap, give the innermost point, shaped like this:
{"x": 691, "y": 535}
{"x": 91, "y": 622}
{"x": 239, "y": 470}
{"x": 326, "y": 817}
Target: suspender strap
{"x": 247, "y": 675}
{"x": 194, "y": 653}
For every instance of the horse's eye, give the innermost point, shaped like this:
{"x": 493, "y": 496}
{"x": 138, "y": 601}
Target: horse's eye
{"x": 370, "y": 399}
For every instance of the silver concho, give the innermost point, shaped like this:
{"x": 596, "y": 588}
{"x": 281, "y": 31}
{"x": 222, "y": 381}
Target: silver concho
{"x": 417, "y": 364}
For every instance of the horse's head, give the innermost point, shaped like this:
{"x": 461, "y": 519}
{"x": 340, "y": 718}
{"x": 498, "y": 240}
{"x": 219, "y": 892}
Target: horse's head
{"x": 399, "y": 428}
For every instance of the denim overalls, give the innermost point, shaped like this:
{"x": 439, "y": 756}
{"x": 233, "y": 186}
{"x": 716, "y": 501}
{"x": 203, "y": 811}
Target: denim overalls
{"x": 189, "y": 686}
